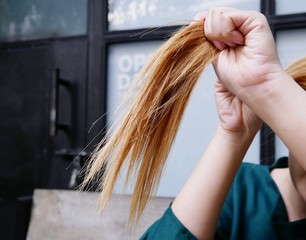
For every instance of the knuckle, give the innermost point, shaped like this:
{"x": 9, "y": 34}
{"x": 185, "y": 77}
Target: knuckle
{"x": 209, "y": 35}
{"x": 260, "y": 16}
{"x": 215, "y": 11}
{"x": 198, "y": 16}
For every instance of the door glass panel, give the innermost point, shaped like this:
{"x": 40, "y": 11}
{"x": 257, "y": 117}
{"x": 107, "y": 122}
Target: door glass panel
{"x": 36, "y": 19}
{"x": 199, "y": 122}
{"x": 289, "y": 7}
{"x": 136, "y": 14}
{"x": 291, "y": 46}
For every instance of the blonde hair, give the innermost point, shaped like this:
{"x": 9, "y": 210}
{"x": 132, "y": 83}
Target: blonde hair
{"x": 297, "y": 70}
{"x": 146, "y": 133}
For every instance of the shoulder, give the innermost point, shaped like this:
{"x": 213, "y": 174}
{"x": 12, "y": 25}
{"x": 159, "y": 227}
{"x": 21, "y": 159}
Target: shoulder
{"x": 250, "y": 173}
{"x": 168, "y": 227}
{"x": 253, "y": 181}
{"x": 258, "y": 175}
{"x": 250, "y": 203}
{"x": 251, "y": 168}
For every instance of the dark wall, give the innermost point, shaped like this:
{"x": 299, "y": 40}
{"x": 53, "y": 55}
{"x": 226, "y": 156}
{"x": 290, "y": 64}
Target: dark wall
{"x": 25, "y": 148}
{"x": 31, "y": 155}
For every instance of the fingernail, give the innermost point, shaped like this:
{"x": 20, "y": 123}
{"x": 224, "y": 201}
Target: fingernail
{"x": 219, "y": 45}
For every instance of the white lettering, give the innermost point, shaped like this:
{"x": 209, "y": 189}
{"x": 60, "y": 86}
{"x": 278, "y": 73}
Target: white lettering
{"x": 139, "y": 61}
{"x": 125, "y": 63}
{"x": 124, "y": 82}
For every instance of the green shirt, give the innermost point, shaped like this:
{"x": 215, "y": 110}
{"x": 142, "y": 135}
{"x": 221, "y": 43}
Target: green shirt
{"x": 253, "y": 210}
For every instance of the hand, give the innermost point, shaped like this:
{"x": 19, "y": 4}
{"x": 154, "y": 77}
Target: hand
{"x": 235, "y": 116}
{"x": 248, "y": 57}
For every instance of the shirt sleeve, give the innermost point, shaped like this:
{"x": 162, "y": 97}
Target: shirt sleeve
{"x": 168, "y": 227}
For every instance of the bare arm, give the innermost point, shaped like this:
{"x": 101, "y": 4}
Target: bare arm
{"x": 249, "y": 68}
{"x": 199, "y": 203}
{"x": 283, "y": 108}
{"x": 252, "y": 72}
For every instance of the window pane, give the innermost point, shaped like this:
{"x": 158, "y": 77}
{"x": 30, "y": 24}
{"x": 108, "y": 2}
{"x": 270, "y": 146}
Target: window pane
{"x": 289, "y": 7}
{"x": 35, "y": 19}
{"x": 291, "y": 46}
{"x": 198, "y": 125}
{"x": 124, "y": 61}
{"x": 134, "y": 14}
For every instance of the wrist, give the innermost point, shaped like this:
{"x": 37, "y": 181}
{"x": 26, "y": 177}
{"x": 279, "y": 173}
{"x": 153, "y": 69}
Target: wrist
{"x": 265, "y": 88}
{"x": 239, "y": 138}
{"x": 276, "y": 97}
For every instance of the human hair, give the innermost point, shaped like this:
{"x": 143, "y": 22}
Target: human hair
{"x": 297, "y": 70}
{"x": 143, "y": 139}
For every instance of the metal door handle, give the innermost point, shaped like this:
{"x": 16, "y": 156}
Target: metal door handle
{"x": 56, "y": 83}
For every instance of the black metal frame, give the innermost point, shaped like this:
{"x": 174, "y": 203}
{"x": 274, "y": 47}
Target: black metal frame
{"x": 100, "y": 39}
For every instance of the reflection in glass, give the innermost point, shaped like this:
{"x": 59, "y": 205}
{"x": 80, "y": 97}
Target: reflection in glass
{"x": 291, "y": 46}
{"x": 135, "y": 14}
{"x": 34, "y": 19}
{"x": 289, "y": 7}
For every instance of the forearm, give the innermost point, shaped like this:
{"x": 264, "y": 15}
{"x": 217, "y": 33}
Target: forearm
{"x": 199, "y": 203}
{"x": 282, "y": 105}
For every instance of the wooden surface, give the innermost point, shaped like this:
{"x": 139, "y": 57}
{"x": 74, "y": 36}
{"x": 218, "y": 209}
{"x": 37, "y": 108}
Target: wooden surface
{"x": 63, "y": 215}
